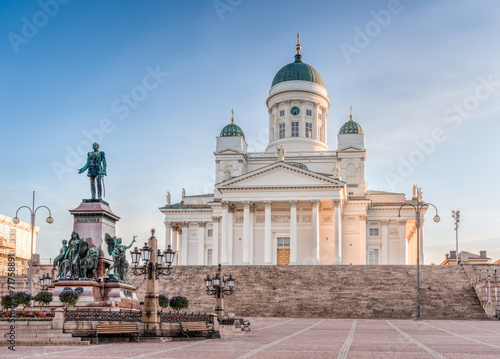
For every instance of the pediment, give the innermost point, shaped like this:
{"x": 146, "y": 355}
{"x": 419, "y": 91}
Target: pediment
{"x": 229, "y": 151}
{"x": 352, "y": 149}
{"x": 279, "y": 175}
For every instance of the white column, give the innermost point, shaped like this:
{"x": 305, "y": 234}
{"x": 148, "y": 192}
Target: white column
{"x": 288, "y": 126}
{"x": 201, "y": 243}
{"x": 184, "y": 243}
{"x": 315, "y": 231}
{"x": 385, "y": 242}
{"x": 175, "y": 229}
{"x": 215, "y": 240}
{"x": 315, "y": 134}
{"x": 293, "y": 232}
{"x": 246, "y": 234}
{"x": 302, "y": 124}
{"x": 275, "y": 115}
{"x": 363, "y": 251}
{"x": 338, "y": 233}
{"x": 168, "y": 234}
{"x": 250, "y": 238}
{"x": 230, "y": 222}
{"x": 224, "y": 245}
{"x": 267, "y": 233}
{"x": 323, "y": 117}
{"x": 402, "y": 242}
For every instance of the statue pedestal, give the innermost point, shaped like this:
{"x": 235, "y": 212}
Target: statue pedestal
{"x": 93, "y": 219}
{"x": 93, "y": 294}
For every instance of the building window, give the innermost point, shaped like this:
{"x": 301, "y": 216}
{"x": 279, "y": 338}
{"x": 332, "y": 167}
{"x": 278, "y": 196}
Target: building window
{"x": 282, "y": 113}
{"x": 282, "y": 130}
{"x": 209, "y": 257}
{"x": 351, "y": 174}
{"x": 209, "y": 233}
{"x": 309, "y": 130}
{"x": 373, "y": 256}
{"x": 373, "y": 232}
{"x": 283, "y": 242}
{"x": 309, "y": 112}
{"x": 295, "y": 129}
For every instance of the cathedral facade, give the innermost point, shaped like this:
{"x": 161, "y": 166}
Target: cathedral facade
{"x": 298, "y": 202}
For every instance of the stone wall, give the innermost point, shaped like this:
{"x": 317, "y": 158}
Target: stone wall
{"x": 478, "y": 277}
{"x": 330, "y": 291}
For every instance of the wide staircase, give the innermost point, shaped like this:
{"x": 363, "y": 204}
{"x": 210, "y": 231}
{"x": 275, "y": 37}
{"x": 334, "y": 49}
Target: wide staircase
{"x": 36, "y": 333}
{"x": 384, "y": 291}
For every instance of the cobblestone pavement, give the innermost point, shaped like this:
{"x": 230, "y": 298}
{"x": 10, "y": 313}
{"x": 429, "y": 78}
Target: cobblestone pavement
{"x": 283, "y": 338}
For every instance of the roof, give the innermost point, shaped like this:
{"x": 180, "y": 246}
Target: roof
{"x": 351, "y": 127}
{"x": 298, "y": 71}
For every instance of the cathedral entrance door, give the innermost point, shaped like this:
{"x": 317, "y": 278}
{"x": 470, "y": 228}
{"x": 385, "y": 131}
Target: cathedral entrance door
{"x": 283, "y": 255}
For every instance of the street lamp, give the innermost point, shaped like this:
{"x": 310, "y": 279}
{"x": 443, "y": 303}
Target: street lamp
{"x": 45, "y": 281}
{"x": 33, "y": 215}
{"x": 456, "y": 217}
{"x": 217, "y": 288}
{"x": 418, "y": 208}
{"x": 152, "y": 268}
{"x": 489, "y": 290}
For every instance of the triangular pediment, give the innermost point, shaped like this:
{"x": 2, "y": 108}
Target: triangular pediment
{"x": 352, "y": 149}
{"x": 279, "y": 175}
{"x": 229, "y": 151}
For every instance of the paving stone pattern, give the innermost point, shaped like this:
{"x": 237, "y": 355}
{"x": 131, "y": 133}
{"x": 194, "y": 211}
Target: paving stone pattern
{"x": 331, "y": 291}
{"x": 311, "y": 338}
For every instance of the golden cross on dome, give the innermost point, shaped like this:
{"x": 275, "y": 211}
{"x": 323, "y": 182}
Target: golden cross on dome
{"x": 232, "y": 116}
{"x": 350, "y": 116}
{"x": 298, "y": 47}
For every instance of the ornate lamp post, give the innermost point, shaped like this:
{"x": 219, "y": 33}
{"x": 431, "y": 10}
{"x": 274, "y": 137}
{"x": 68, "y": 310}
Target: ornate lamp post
{"x": 33, "y": 215}
{"x": 489, "y": 290}
{"x": 45, "y": 281}
{"x": 418, "y": 207}
{"x": 152, "y": 269}
{"x": 456, "y": 217}
{"x": 217, "y": 288}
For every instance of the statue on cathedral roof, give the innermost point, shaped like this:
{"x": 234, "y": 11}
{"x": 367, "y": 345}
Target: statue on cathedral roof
{"x": 281, "y": 153}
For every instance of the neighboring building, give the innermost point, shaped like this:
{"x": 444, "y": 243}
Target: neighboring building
{"x": 472, "y": 258}
{"x": 16, "y": 239}
{"x": 497, "y": 262}
{"x": 299, "y": 202}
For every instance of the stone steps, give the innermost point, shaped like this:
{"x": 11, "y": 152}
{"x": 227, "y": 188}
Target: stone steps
{"x": 37, "y": 334}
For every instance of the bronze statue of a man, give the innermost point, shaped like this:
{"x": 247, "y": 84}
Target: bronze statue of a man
{"x": 96, "y": 169}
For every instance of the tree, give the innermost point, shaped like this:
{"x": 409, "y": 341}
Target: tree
{"x": 163, "y": 301}
{"x": 179, "y": 302}
{"x": 69, "y": 296}
{"x": 43, "y": 298}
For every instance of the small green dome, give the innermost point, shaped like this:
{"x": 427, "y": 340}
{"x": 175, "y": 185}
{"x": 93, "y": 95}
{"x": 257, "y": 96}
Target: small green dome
{"x": 298, "y": 71}
{"x": 232, "y": 130}
{"x": 351, "y": 127}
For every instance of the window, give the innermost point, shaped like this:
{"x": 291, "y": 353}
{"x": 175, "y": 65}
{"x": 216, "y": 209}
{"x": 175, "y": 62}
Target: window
{"x": 282, "y": 130}
{"x": 373, "y": 232}
{"x": 282, "y": 113}
{"x": 309, "y": 130}
{"x": 283, "y": 242}
{"x": 209, "y": 257}
{"x": 295, "y": 129}
{"x": 309, "y": 112}
{"x": 373, "y": 256}
{"x": 351, "y": 174}
{"x": 209, "y": 233}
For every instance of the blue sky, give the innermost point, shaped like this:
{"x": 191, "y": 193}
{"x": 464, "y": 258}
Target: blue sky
{"x": 422, "y": 77}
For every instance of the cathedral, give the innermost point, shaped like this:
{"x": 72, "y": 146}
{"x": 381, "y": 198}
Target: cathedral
{"x": 298, "y": 202}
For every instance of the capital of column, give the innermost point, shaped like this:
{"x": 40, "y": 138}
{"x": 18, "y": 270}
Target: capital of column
{"x": 201, "y": 224}
{"x": 225, "y": 204}
{"x": 314, "y": 202}
{"x": 362, "y": 217}
{"x": 252, "y": 208}
{"x": 384, "y": 222}
{"x": 336, "y": 202}
{"x": 402, "y": 222}
{"x": 246, "y": 203}
{"x": 267, "y": 204}
{"x": 293, "y": 203}
{"x": 216, "y": 218}
{"x": 231, "y": 208}
{"x": 168, "y": 224}
{"x": 185, "y": 224}
{"x": 175, "y": 227}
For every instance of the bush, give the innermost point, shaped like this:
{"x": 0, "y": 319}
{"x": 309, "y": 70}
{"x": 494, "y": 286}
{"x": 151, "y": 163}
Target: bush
{"x": 21, "y": 298}
{"x": 8, "y": 302}
{"x": 179, "y": 302}
{"x": 69, "y": 296}
{"x": 43, "y": 298}
{"x": 163, "y": 301}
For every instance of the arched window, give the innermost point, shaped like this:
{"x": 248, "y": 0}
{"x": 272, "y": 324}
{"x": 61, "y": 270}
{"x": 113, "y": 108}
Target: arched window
{"x": 350, "y": 174}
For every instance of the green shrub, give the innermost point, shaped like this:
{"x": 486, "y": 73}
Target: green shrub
{"x": 179, "y": 302}
{"x": 69, "y": 296}
{"x": 163, "y": 301}
{"x": 43, "y": 298}
{"x": 8, "y": 302}
{"x": 22, "y": 299}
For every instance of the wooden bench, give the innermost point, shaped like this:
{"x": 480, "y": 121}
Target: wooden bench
{"x": 116, "y": 328}
{"x": 189, "y": 327}
{"x": 244, "y": 324}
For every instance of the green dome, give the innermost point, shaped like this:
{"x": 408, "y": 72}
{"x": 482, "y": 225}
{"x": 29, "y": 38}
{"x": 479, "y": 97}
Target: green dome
{"x": 232, "y": 130}
{"x": 351, "y": 127}
{"x": 298, "y": 71}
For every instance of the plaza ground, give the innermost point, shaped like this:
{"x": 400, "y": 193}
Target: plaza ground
{"x": 290, "y": 338}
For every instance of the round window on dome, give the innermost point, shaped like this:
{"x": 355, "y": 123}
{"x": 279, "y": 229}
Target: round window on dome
{"x": 295, "y": 110}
